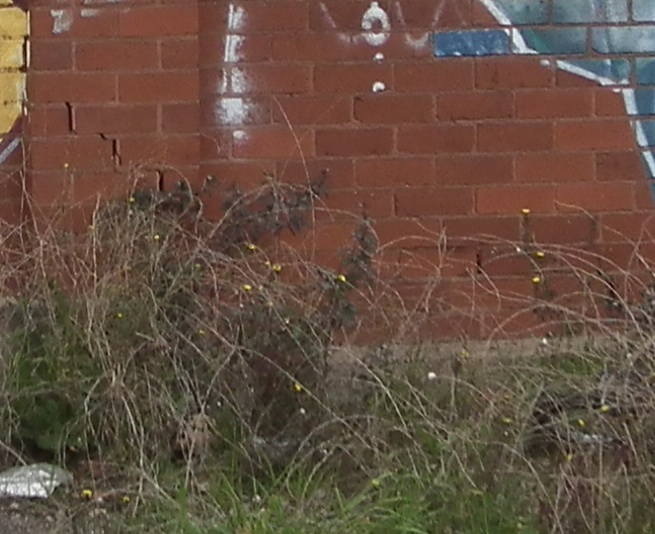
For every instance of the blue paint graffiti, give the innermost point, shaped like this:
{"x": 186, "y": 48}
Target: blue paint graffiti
{"x": 572, "y": 33}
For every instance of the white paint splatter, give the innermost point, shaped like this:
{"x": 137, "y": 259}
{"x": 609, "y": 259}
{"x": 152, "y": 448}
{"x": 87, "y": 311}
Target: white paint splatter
{"x": 379, "y": 87}
{"x": 9, "y": 150}
{"x": 62, "y": 20}
{"x": 376, "y": 25}
{"x": 233, "y": 109}
{"x": 87, "y": 13}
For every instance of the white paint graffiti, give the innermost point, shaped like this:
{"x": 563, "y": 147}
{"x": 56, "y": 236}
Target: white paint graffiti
{"x": 62, "y": 20}
{"x": 376, "y": 25}
{"x": 233, "y": 108}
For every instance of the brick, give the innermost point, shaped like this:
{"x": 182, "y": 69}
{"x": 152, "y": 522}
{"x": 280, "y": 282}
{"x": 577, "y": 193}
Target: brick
{"x": 555, "y": 167}
{"x": 312, "y": 109}
{"x": 605, "y": 196}
{"x": 562, "y": 229}
{"x": 594, "y": 135}
{"x": 62, "y": 189}
{"x": 354, "y": 142}
{"x": 609, "y": 103}
{"x": 273, "y": 78}
{"x": 48, "y": 120}
{"x": 156, "y": 150}
{"x": 247, "y": 175}
{"x": 158, "y": 21}
{"x": 180, "y": 118}
{"x": 348, "y": 203}
{"x": 511, "y": 74}
{"x": 554, "y": 103}
{"x": 273, "y": 142}
{"x": 436, "y": 139}
{"x": 282, "y": 15}
{"x": 51, "y": 54}
{"x": 512, "y": 199}
{"x": 475, "y": 228}
{"x": 515, "y": 137}
{"x": 435, "y": 201}
{"x": 478, "y": 105}
{"x": 474, "y": 169}
{"x": 216, "y": 144}
{"x": 627, "y": 226}
{"x": 353, "y": 78}
{"x": 340, "y": 172}
{"x": 78, "y": 153}
{"x": 394, "y": 172}
{"x": 315, "y": 46}
{"x": 427, "y": 14}
{"x": 395, "y": 109}
{"x": 158, "y": 86}
{"x": 115, "y": 119}
{"x": 619, "y": 166}
{"x": 403, "y": 233}
{"x": 179, "y": 54}
{"x": 110, "y": 55}
{"x": 444, "y": 75}
{"x": 247, "y": 49}
{"x": 430, "y": 263}
{"x": 50, "y": 87}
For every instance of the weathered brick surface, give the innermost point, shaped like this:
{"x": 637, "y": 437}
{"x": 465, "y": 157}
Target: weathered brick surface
{"x": 438, "y": 146}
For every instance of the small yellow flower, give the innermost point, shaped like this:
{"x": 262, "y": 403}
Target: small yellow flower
{"x": 201, "y": 332}
{"x": 604, "y": 408}
{"x": 568, "y": 457}
{"x": 86, "y": 493}
{"x": 119, "y": 315}
{"x": 126, "y": 499}
{"x": 156, "y": 237}
{"x": 507, "y": 396}
{"x": 540, "y": 254}
{"x": 269, "y": 304}
{"x": 251, "y": 247}
{"x": 506, "y": 420}
{"x": 66, "y": 165}
{"x": 376, "y": 482}
{"x": 342, "y": 278}
{"x": 246, "y": 287}
{"x": 297, "y": 387}
{"x": 131, "y": 200}
{"x": 267, "y": 263}
{"x": 465, "y": 353}
{"x": 580, "y": 422}
{"x": 197, "y": 266}
{"x": 536, "y": 280}
{"x": 276, "y": 267}
{"x": 525, "y": 211}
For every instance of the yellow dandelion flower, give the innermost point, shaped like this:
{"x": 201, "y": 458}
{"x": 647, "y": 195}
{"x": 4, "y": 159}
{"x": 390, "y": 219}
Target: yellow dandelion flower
{"x": 201, "y": 332}
{"x": 126, "y": 499}
{"x": 540, "y": 254}
{"x": 156, "y": 237}
{"x": 342, "y": 278}
{"x": 465, "y": 353}
{"x": 536, "y": 280}
{"x": 131, "y": 200}
{"x": 276, "y": 267}
{"x": 525, "y": 211}
{"x": 251, "y": 247}
{"x": 604, "y": 408}
{"x": 507, "y": 396}
{"x": 246, "y": 287}
{"x": 376, "y": 482}
{"x": 197, "y": 266}
{"x": 507, "y": 420}
{"x": 119, "y": 315}
{"x": 297, "y": 387}
{"x": 86, "y": 493}
{"x": 568, "y": 457}
{"x": 580, "y": 422}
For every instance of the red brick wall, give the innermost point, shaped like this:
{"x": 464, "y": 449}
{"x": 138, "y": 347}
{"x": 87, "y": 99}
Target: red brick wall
{"x": 455, "y": 146}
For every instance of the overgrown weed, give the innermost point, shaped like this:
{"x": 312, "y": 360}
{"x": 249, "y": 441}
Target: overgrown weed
{"x": 196, "y": 375}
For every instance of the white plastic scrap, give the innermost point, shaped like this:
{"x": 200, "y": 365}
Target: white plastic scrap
{"x": 33, "y": 481}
